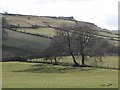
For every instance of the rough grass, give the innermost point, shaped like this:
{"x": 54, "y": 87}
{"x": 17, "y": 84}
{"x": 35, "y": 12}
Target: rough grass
{"x": 105, "y": 62}
{"x": 34, "y": 75}
{"x": 110, "y": 62}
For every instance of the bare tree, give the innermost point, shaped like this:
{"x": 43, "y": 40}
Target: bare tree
{"x": 67, "y": 40}
{"x": 55, "y": 51}
{"x": 102, "y": 47}
{"x": 77, "y": 38}
{"x": 85, "y": 35}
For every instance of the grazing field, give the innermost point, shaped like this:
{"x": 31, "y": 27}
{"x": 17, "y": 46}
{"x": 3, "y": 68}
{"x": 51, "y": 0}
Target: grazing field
{"x": 44, "y": 31}
{"x": 34, "y": 20}
{"x": 28, "y": 21}
{"x": 39, "y": 75}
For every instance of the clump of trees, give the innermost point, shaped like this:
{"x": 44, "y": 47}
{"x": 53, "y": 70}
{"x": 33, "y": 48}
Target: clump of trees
{"x": 56, "y": 50}
{"x": 78, "y": 39}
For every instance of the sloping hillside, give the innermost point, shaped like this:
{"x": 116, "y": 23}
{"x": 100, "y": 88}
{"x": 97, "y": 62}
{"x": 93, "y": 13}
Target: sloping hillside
{"x": 44, "y": 24}
{"x": 27, "y": 21}
{"x": 20, "y": 44}
{"x": 30, "y": 35}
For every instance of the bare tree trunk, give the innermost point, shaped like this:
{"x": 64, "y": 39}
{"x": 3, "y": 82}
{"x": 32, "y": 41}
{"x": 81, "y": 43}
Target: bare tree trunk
{"x": 55, "y": 61}
{"x": 83, "y": 59}
{"x": 75, "y": 62}
{"x": 70, "y": 50}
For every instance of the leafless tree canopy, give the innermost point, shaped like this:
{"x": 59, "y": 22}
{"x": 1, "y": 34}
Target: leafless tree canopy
{"x": 78, "y": 39}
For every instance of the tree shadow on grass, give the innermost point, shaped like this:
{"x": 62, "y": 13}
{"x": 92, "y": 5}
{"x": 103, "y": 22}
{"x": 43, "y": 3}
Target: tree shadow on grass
{"x": 44, "y": 68}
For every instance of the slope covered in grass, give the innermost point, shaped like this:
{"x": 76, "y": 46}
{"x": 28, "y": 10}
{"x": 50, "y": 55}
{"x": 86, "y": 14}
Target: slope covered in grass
{"x": 20, "y": 42}
{"x": 45, "y": 21}
{"x": 24, "y": 44}
{"x": 25, "y": 20}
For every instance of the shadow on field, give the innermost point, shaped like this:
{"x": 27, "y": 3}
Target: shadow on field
{"x": 44, "y": 68}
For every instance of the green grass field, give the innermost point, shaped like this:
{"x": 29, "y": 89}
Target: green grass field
{"x": 36, "y": 75}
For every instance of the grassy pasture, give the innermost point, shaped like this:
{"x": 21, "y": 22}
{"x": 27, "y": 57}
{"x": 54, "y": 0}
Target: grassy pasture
{"x": 34, "y": 20}
{"x": 44, "y": 31}
{"x": 36, "y": 75}
{"x": 23, "y": 21}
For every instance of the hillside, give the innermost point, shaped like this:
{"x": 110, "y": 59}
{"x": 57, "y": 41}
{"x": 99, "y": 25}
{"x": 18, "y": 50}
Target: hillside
{"x": 20, "y": 44}
{"x": 44, "y": 24}
{"x": 30, "y": 35}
